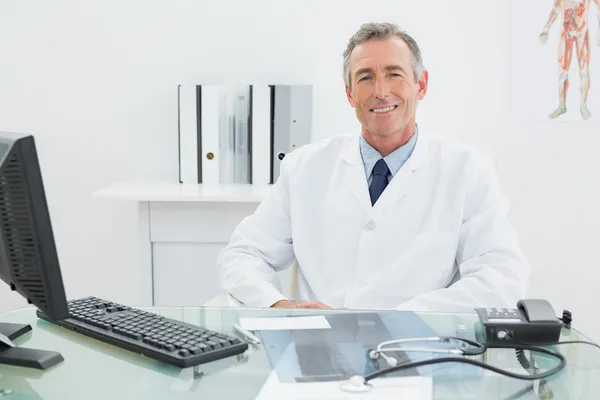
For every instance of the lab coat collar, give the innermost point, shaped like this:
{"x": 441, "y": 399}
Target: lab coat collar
{"x": 399, "y": 186}
{"x": 418, "y": 158}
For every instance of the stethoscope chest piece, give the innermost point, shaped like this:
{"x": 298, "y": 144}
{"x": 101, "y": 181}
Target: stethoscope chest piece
{"x": 355, "y": 384}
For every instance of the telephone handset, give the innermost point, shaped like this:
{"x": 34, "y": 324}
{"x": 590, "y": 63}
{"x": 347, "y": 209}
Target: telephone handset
{"x": 533, "y": 321}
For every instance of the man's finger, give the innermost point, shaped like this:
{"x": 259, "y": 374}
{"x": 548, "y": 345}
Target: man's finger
{"x": 312, "y": 304}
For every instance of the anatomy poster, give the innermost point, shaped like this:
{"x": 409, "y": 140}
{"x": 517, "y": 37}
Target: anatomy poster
{"x": 555, "y": 60}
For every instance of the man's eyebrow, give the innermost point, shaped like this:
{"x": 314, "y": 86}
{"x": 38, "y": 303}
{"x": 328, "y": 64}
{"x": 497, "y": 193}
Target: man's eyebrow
{"x": 364, "y": 70}
{"x": 368, "y": 70}
{"x": 395, "y": 68}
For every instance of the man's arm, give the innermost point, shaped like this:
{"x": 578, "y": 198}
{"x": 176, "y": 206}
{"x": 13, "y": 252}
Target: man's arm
{"x": 493, "y": 270}
{"x": 260, "y": 246}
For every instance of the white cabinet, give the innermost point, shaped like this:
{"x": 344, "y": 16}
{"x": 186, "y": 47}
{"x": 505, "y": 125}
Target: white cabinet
{"x": 182, "y": 228}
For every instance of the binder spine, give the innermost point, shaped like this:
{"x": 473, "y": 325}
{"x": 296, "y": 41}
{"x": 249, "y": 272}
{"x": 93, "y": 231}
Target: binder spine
{"x": 261, "y": 134}
{"x": 188, "y": 135}
{"x": 209, "y": 135}
{"x": 199, "y": 133}
{"x": 272, "y": 134}
{"x": 282, "y": 128}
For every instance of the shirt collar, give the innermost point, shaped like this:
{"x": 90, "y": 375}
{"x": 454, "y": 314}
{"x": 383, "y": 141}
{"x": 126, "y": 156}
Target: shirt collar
{"x": 394, "y": 160}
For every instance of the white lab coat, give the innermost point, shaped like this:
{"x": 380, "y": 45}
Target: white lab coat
{"x": 437, "y": 239}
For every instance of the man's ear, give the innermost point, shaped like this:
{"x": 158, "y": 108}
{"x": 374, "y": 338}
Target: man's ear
{"x": 350, "y": 98}
{"x": 422, "y": 85}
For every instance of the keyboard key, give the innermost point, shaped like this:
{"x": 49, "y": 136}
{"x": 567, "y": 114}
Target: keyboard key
{"x": 184, "y": 353}
{"x": 204, "y": 347}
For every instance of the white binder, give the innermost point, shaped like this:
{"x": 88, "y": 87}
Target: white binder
{"x": 261, "y": 134}
{"x": 292, "y": 122}
{"x": 188, "y": 133}
{"x": 209, "y": 153}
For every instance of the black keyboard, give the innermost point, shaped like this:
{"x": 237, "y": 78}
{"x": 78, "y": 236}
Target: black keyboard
{"x": 157, "y": 337}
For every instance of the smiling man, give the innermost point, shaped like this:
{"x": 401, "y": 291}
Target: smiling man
{"x": 391, "y": 218}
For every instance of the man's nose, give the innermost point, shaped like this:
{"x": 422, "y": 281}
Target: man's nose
{"x": 382, "y": 88}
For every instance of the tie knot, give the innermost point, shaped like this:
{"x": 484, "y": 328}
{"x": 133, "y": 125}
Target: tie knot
{"x": 381, "y": 168}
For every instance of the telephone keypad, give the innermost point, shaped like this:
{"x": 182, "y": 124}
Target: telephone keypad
{"x": 498, "y": 313}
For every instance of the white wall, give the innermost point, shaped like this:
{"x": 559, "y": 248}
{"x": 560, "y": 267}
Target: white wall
{"x": 553, "y": 168}
{"x": 96, "y": 83}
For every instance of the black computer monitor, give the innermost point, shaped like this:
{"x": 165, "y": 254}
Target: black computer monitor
{"x": 28, "y": 257}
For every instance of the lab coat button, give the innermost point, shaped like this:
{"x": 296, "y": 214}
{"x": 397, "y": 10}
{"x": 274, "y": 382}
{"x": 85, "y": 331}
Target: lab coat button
{"x": 370, "y": 225}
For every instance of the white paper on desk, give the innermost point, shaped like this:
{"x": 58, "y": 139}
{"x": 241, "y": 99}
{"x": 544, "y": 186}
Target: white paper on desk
{"x": 405, "y": 388}
{"x": 284, "y": 323}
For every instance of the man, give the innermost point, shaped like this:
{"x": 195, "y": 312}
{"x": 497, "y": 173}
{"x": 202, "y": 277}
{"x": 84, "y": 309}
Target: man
{"x": 395, "y": 218}
{"x": 574, "y": 32}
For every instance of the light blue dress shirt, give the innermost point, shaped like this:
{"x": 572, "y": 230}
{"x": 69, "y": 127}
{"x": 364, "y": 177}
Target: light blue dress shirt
{"x": 394, "y": 161}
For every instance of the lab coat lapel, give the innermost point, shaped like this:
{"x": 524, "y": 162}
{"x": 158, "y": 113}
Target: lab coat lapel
{"x": 353, "y": 173}
{"x": 403, "y": 181}
{"x": 398, "y": 187}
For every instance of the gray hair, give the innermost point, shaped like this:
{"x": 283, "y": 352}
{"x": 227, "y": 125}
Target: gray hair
{"x": 381, "y": 31}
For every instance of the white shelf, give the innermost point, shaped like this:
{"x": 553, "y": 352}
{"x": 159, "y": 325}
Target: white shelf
{"x": 178, "y": 192}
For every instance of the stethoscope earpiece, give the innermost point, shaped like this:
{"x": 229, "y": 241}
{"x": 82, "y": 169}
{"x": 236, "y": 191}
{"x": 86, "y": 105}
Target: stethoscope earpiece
{"x": 391, "y": 361}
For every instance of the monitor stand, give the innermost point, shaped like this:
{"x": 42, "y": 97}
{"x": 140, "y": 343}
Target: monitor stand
{"x": 21, "y": 356}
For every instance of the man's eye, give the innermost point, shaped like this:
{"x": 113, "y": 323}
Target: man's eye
{"x": 364, "y": 78}
{"x": 396, "y": 74}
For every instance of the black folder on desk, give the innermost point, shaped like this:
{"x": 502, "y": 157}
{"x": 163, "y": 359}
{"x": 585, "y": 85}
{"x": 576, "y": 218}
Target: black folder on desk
{"x": 312, "y": 355}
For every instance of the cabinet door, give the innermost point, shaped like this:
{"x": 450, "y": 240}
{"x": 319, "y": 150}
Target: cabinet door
{"x": 186, "y": 239}
{"x": 185, "y": 274}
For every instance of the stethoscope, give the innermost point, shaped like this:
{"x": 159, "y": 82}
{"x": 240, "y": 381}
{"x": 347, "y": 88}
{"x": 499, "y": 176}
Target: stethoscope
{"x": 465, "y": 347}
{"x": 469, "y": 348}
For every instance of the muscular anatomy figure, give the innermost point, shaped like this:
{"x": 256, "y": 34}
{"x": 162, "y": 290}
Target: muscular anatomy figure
{"x": 574, "y": 33}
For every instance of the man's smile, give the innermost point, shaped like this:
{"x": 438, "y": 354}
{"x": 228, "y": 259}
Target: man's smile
{"x": 383, "y": 110}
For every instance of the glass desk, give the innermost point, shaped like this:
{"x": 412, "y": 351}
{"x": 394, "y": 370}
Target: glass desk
{"x": 94, "y": 370}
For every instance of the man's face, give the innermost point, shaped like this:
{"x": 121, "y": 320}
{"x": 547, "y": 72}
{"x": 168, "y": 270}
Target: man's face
{"x": 382, "y": 89}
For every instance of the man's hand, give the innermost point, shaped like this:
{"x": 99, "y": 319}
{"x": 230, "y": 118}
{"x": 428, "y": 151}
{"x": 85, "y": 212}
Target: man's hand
{"x": 544, "y": 37}
{"x": 299, "y": 304}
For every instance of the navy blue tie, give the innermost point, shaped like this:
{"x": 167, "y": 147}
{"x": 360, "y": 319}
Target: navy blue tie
{"x": 379, "y": 181}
